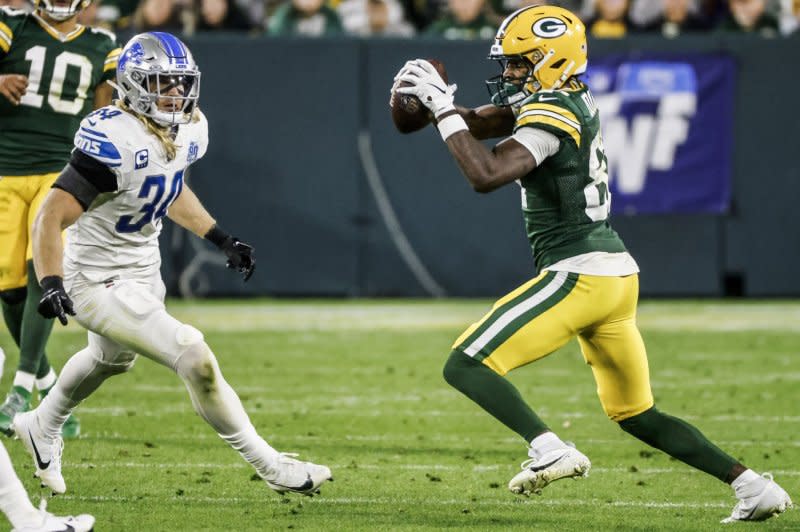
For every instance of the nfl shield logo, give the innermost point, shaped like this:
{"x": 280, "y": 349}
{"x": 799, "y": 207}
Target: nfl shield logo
{"x": 193, "y": 149}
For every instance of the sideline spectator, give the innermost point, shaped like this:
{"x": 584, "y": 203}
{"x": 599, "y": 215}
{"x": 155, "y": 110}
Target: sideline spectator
{"x": 374, "y": 17}
{"x": 790, "y": 16}
{"x": 466, "y": 19}
{"x": 16, "y": 4}
{"x": 750, "y": 16}
{"x": 221, "y": 15}
{"x": 676, "y": 18}
{"x": 611, "y": 21}
{"x": 116, "y": 15}
{"x": 174, "y": 16}
{"x": 423, "y": 13}
{"x": 309, "y": 18}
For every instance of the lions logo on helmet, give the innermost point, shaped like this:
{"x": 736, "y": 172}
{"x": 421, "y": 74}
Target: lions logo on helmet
{"x": 156, "y": 67}
{"x": 60, "y": 12}
{"x": 549, "y": 39}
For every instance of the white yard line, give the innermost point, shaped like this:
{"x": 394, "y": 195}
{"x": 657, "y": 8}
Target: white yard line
{"x": 392, "y": 467}
{"x": 394, "y": 501}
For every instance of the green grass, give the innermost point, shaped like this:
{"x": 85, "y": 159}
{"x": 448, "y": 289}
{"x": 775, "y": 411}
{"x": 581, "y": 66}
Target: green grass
{"x": 357, "y": 385}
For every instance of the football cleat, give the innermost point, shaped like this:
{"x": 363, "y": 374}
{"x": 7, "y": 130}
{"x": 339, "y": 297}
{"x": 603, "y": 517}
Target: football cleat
{"x": 17, "y": 401}
{"x": 46, "y": 452}
{"x": 55, "y": 523}
{"x": 554, "y": 465}
{"x": 770, "y": 500}
{"x": 293, "y": 476}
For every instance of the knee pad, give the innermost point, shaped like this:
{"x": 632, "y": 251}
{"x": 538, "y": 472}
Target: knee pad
{"x": 120, "y": 362}
{"x": 196, "y": 363}
{"x": 14, "y": 296}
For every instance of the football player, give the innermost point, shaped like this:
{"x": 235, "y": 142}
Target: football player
{"x": 588, "y": 285}
{"x": 124, "y": 176}
{"x": 17, "y": 507}
{"x": 53, "y": 71}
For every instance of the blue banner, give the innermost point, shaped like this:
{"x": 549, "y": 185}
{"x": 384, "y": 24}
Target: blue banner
{"x": 667, "y": 126}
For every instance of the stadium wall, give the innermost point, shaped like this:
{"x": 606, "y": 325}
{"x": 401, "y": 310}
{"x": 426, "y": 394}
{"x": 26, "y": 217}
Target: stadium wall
{"x": 305, "y": 164}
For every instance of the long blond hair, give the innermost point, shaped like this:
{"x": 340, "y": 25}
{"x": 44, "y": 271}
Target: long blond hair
{"x": 162, "y": 133}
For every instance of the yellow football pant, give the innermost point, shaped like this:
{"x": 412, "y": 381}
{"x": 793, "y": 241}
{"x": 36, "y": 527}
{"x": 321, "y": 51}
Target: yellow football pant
{"x": 545, "y": 313}
{"x": 20, "y": 199}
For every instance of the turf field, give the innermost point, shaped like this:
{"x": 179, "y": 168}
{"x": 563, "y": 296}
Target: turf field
{"x": 357, "y": 385}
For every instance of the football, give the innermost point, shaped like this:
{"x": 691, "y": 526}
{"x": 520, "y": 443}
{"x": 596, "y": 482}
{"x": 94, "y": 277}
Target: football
{"x": 408, "y": 113}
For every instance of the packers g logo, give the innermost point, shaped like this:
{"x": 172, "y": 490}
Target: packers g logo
{"x": 549, "y": 28}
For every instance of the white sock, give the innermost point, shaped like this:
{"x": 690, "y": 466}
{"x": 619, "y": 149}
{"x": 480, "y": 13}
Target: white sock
{"x": 14, "y": 501}
{"x": 544, "y": 443}
{"x": 47, "y": 381}
{"x": 253, "y": 449}
{"x": 25, "y": 380}
{"x": 744, "y": 485}
{"x": 53, "y": 411}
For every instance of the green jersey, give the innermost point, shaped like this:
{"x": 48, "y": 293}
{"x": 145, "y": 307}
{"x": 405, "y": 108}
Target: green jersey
{"x": 36, "y": 137}
{"x": 565, "y": 200}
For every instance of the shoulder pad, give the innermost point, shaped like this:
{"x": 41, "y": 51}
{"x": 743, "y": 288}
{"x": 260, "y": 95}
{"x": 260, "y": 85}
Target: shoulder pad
{"x": 10, "y": 20}
{"x": 102, "y": 31}
{"x": 551, "y": 111}
{"x": 101, "y": 135}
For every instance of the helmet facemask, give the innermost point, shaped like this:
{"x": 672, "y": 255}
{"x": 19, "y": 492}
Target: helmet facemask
{"x": 61, "y": 13}
{"x": 508, "y": 91}
{"x": 157, "y": 100}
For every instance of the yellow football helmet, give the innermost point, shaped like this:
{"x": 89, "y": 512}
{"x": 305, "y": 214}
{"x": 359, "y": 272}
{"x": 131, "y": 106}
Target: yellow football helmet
{"x": 549, "y": 39}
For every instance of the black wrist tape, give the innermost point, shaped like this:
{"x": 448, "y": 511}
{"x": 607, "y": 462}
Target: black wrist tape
{"x": 51, "y": 281}
{"x": 216, "y": 236}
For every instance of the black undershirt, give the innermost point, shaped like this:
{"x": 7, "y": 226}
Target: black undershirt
{"x": 85, "y": 177}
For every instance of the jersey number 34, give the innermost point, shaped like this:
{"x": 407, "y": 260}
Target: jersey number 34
{"x": 154, "y": 209}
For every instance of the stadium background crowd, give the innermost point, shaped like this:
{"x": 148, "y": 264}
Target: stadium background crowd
{"x": 451, "y": 19}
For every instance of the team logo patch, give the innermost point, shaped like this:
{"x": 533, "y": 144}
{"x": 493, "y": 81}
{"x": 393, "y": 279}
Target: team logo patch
{"x": 141, "y": 158}
{"x": 549, "y": 28}
{"x": 193, "y": 150}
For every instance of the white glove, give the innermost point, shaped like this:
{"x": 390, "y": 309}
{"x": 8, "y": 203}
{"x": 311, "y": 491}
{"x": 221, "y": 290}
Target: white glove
{"x": 427, "y": 85}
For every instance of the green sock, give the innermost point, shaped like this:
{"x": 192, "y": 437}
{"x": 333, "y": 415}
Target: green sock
{"x": 35, "y": 329}
{"x": 13, "y": 302}
{"x": 493, "y": 393}
{"x": 679, "y": 440}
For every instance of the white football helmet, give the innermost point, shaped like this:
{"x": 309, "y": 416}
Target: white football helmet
{"x": 149, "y": 67}
{"x": 60, "y": 12}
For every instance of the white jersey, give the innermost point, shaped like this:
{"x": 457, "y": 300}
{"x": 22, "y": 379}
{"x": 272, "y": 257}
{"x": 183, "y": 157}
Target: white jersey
{"x": 119, "y": 230}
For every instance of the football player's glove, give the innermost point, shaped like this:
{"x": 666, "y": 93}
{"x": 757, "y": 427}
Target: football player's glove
{"x": 427, "y": 85}
{"x": 241, "y": 256}
{"x": 55, "y": 302}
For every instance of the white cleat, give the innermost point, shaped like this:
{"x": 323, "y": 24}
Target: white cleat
{"x": 54, "y": 523}
{"x": 551, "y": 466}
{"x": 293, "y": 476}
{"x": 771, "y": 500}
{"x": 46, "y": 452}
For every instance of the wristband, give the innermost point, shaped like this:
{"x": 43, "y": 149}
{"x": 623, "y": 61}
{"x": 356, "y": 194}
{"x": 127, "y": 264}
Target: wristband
{"x": 216, "y": 236}
{"x": 52, "y": 282}
{"x": 450, "y": 125}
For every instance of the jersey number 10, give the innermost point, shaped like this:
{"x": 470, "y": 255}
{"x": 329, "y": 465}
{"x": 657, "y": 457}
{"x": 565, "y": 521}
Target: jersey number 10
{"x": 155, "y": 209}
{"x": 64, "y": 60}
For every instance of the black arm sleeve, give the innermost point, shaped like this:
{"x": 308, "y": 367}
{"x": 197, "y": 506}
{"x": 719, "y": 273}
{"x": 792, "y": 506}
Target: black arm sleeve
{"x": 85, "y": 178}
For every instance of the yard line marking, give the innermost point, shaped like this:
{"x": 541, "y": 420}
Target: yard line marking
{"x": 438, "y": 438}
{"x": 186, "y": 408}
{"x": 390, "y": 467}
{"x": 393, "y": 501}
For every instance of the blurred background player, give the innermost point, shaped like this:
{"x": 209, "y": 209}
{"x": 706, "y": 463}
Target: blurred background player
{"x": 52, "y": 72}
{"x": 17, "y": 507}
{"x": 588, "y": 284}
{"x": 132, "y": 158}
